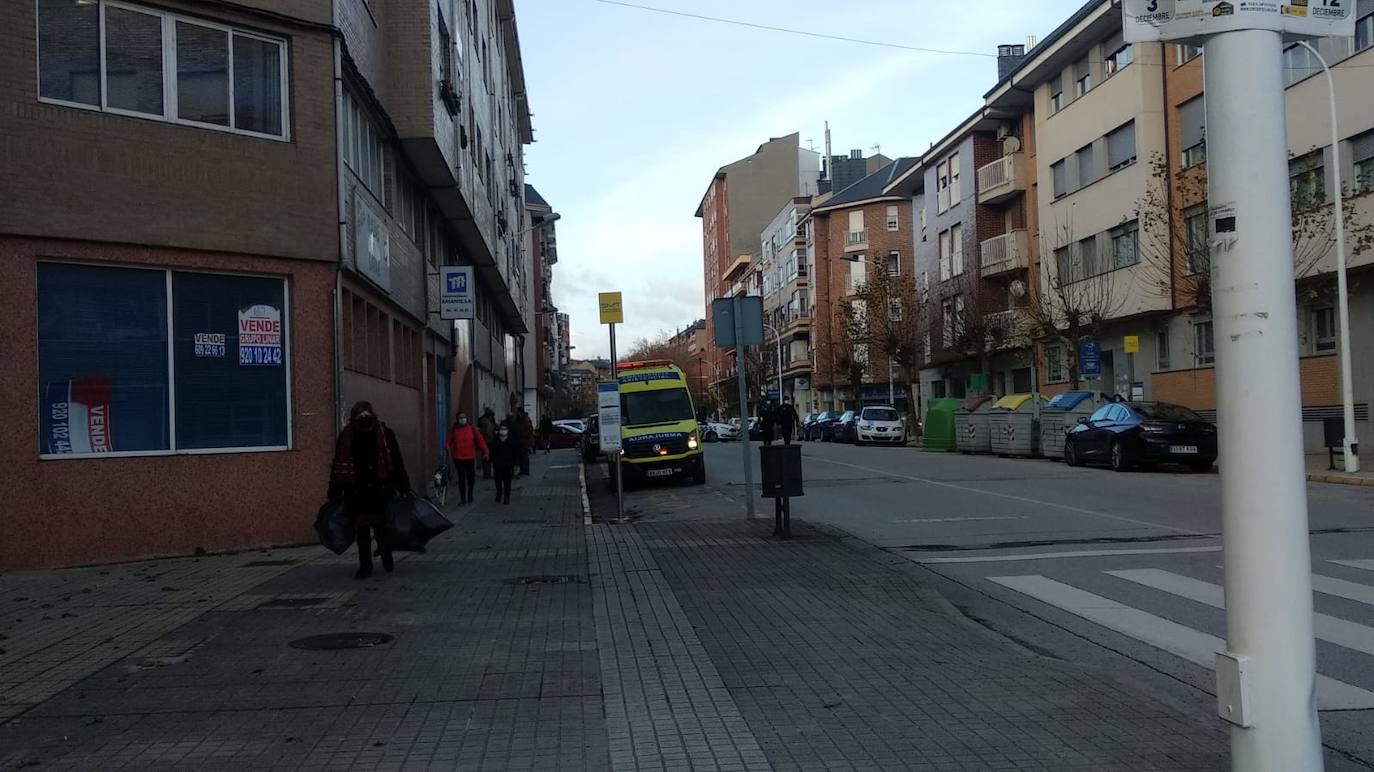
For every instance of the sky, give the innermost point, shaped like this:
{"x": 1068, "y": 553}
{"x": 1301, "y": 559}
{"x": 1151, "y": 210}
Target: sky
{"x": 635, "y": 110}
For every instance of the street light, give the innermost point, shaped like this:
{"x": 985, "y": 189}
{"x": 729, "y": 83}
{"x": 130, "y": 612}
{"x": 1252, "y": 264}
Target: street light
{"x": 544, "y": 222}
{"x": 1351, "y": 444}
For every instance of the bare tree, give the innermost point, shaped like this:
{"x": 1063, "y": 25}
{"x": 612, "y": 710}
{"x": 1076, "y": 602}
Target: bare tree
{"x": 891, "y": 323}
{"x": 1076, "y": 294}
{"x": 850, "y": 355}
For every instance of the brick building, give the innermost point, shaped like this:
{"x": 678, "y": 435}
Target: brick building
{"x": 229, "y": 212}
{"x": 864, "y": 228}
{"x": 540, "y": 346}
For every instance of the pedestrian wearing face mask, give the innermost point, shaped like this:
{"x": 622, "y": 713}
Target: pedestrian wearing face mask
{"x": 505, "y": 455}
{"x": 368, "y": 472}
{"x": 464, "y": 444}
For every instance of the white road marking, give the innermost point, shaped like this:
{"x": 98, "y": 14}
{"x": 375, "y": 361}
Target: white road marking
{"x": 1367, "y": 565}
{"x": 1023, "y": 499}
{"x": 1355, "y": 591}
{"x": 1192, "y": 645}
{"x": 1059, "y": 555}
{"x": 960, "y": 519}
{"x": 1328, "y": 628}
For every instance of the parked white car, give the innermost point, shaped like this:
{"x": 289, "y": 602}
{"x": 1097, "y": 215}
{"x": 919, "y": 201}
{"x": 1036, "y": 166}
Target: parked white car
{"x": 715, "y": 431}
{"x": 880, "y": 424}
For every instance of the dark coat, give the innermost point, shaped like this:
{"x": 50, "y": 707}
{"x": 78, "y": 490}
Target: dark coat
{"x": 505, "y": 454}
{"x": 785, "y": 416}
{"x": 367, "y": 496}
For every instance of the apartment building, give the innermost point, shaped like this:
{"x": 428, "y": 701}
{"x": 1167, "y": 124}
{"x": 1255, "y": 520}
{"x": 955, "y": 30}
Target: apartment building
{"x": 786, "y": 290}
{"x": 540, "y": 345}
{"x": 862, "y": 230}
{"x": 229, "y": 212}
{"x": 741, "y": 199}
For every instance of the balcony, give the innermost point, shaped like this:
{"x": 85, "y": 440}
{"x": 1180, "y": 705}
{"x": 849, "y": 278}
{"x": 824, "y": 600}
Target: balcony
{"x": 855, "y": 241}
{"x": 1002, "y": 179}
{"x": 1005, "y": 254}
{"x": 1009, "y": 329}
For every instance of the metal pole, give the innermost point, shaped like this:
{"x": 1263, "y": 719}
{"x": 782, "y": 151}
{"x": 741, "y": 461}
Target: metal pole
{"x": 737, "y": 309}
{"x": 472, "y": 362}
{"x": 891, "y": 394}
{"x": 619, "y": 477}
{"x": 1264, "y": 499}
{"x": 1351, "y": 444}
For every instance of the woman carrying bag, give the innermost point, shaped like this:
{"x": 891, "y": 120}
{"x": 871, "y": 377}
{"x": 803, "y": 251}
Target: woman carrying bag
{"x": 368, "y": 472}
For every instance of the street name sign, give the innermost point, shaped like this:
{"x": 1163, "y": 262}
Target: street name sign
{"x": 1148, "y": 21}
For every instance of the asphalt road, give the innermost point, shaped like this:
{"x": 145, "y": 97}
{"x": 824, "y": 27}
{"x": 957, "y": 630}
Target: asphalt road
{"x": 1077, "y": 562}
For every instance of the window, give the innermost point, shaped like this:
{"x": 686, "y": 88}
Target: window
{"x": 160, "y": 65}
{"x": 1088, "y": 260}
{"x": 1364, "y": 32}
{"x": 1056, "y": 94}
{"x": 1298, "y": 63}
{"x": 1161, "y": 349}
{"x": 1362, "y": 151}
{"x": 893, "y": 221}
{"x": 947, "y": 326}
{"x": 1083, "y": 75}
{"x": 954, "y": 196}
{"x": 894, "y": 263}
{"x": 1186, "y": 53}
{"x": 1121, "y": 147}
{"x": 1202, "y": 332}
{"x": 1061, "y": 178}
{"x": 141, "y": 360}
{"x": 1087, "y": 168}
{"x": 1306, "y": 181}
{"x": 1118, "y": 54}
{"x": 946, "y": 254}
{"x": 894, "y": 310}
{"x": 362, "y": 145}
{"x": 857, "y": 274}
{"x": 1054, "y": 365}
{"x": 925, "y": 347}
{"x": 1324, "y": 329}
{"x": 956, "y": 238}
{"x": 1196, "y": 252}
{"x": 1192, "y": 119}
{"x": 1125, "y": 245}
{"x": 1063, "y": 265}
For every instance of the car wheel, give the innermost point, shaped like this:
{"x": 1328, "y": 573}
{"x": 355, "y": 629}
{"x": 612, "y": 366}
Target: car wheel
{"x": 1120, "y": 463}
{"x": 1071, "y": 455}
{"x": 712, "y": 437}
{"x": 699, "y": 474}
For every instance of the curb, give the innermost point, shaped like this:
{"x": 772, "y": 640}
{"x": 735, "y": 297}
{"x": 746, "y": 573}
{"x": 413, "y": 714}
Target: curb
{"x": 1340, "y": 479}
{"x": 586, "y": 503}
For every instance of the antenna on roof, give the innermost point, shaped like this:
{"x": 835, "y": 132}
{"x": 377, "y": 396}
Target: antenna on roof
{"x": 877, "y": 149}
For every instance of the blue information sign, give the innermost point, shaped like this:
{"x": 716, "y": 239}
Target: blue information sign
{"x": 1089, "y": 358}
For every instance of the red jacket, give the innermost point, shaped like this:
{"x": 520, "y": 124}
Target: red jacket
{"x": 463, "y": 443}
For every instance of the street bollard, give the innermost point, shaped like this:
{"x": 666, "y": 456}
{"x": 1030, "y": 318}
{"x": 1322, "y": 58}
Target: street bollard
{"x": 782, "y": 479}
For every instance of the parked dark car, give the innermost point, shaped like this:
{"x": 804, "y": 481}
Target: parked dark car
{"x": 564, "y": 436}
{"x": 1124, "y": 435}
{"x": 814, "y": 429}
{"x": 591, "y": 440}
{"x": 841, "y": 429}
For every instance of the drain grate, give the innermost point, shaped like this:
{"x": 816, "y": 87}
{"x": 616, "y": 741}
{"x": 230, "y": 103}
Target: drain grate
{"x": 293, "y": 602}
{"x": 268, "y": 563}
{"x": 342, "y": 641}
{"x": 546, "y": 579}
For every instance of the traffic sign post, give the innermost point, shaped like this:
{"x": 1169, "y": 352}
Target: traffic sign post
{"x": 1266, "y": 679}
{"x": 612, "y": 312}
{"x": 458, "y": 300}
{"x": 738, "y": 323}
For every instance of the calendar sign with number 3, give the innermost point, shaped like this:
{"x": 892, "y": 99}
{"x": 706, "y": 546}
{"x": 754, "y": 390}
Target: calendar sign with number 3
{"x": 1193, "y": 20}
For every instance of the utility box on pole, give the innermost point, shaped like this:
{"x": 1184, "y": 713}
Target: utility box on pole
{"x": 1266, "y": 679}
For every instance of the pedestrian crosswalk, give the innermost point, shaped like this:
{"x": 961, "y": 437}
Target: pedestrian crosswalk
{"x": 1149, "y": 626}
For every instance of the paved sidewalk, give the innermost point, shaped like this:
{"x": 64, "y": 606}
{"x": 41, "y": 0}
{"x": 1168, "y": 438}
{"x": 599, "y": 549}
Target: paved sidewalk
{"x": 1319, "y": 470}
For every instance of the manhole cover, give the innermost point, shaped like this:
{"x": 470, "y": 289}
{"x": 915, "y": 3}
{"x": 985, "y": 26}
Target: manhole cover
{"x": 267, "y": 563}
{"x": 292, "y": 602}
{"x": 558, "y": 579}
{"x": 341, "y": 641}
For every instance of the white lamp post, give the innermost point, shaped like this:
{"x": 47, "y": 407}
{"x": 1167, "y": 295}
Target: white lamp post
{"x": 1351, "y": 444}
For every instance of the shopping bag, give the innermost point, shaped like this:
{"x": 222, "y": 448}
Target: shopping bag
{"x": 335, "y": 527}
{"x": 412, "y": 522}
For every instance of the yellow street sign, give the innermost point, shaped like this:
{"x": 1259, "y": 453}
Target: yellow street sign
{"x": 1131, "y": 344}
{"x": 611, "y": 310}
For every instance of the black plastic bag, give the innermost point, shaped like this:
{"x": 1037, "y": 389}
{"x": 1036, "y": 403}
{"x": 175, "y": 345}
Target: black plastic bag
{"x": 335, "y": 527}
{"x": 412, "y": 522}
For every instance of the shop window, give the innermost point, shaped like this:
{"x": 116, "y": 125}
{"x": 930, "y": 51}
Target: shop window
{"x": 113, "y": 382}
